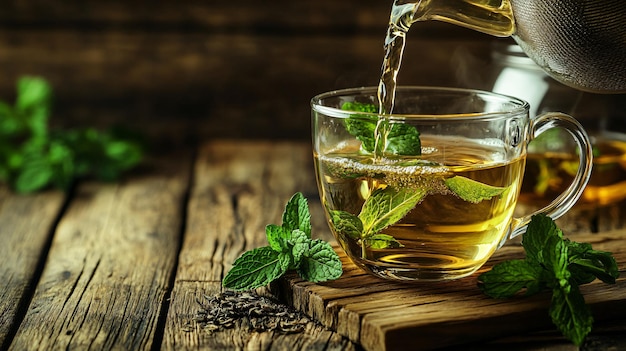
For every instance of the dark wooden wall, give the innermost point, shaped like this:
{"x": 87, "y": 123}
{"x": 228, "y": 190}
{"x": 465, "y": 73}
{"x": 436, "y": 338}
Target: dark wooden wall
{"x": 215, "y": 68}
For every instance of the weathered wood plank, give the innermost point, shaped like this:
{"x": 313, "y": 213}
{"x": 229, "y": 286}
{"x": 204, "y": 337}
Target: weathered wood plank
{"x": 225, "y": 85}
{"x": 350, "y": 16}
{"x": 26, "y": 226}
{"x": 110, "y": 263}
{"x": 385, "y": 316}
{"x": 239, "y": 188}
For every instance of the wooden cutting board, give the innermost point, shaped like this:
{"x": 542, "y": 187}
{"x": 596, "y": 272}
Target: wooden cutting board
{"x": 383, "y": 315}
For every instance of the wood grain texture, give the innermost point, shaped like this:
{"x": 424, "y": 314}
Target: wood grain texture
{"x": 23, "y": 249}
{"x": 380, "y": 315}
{"x": 239, "y": 187}
{"x": 213, "y": 85}
{"x": 110, "y": 264}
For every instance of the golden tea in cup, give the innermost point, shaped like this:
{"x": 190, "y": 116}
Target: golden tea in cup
{"x": 428, "y": 192}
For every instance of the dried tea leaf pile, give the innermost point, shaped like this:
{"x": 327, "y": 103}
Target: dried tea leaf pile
{"x": 223, "y": 311}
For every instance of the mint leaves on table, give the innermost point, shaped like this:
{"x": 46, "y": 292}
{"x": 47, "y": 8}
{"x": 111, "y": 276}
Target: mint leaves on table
{"x": 402, "y": 139}
{"x": 290, "y": 248}
{"x": 33, "y": 157}
{"x": 556, "y": 264}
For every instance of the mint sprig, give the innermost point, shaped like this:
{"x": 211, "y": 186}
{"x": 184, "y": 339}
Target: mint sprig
{"x": 557, "y": 264}
{"x": 403, "y": 139}
{"x": 290, "y": 248}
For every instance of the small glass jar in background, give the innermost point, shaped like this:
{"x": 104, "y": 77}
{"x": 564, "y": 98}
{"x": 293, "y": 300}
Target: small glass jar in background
{"x": 552, "y": 159}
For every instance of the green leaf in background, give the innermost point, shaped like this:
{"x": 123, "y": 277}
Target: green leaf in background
{"x": 33, "y": 157}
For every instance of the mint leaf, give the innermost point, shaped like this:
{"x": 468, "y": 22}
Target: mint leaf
{"x": 570, "y": 313}
{"x": 300, "y": 245}
{"x": 364, "y": 129}
{"x": 290, "y": 247}
{"x": 471, "y": 190}
{"x": 346, "y": 224}
{"x": 320, "y": 263}
{"x": 508, "y": 278}
{"x": 402, "y": 138}
{"x": 589, "y": 264}
{"x": 387, "y": 206}
{"x": 540, "y": 229}
{"x": 381, "y": 241}
{"x": 296, "y": 215}
{"x": 256, "y": 268}
{"x": 277, "y": 237}
{"x": 559, "y": 264}
{"x": 33, "y": 157}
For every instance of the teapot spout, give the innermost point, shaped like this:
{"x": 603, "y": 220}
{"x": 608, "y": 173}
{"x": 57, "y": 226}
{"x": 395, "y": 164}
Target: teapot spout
{"x": 493, "y": 17}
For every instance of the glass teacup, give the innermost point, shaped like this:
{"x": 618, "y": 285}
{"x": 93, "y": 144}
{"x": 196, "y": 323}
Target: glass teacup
{"x": 432, "y": 198}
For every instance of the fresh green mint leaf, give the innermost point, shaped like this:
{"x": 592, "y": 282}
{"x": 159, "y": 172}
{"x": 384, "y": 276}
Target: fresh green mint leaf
{"x": 256, "y": 268}
{"x": 277, "y": 237}
{"x": 555, "y": 260}
{"x": 364, "y": 129}
{"x": 296, "y": 215}
{"x": 299, "y": 246}
{"x": 320, "y": 263}
{"x": 555, "y": 263}
{"x": 346, "y": 224}
{"x": 508, "y": 278}
{"x": 290, "y": 247}
{"x": 570, "y": 314}
{"x": 382, "y": 241}
{"x": 471, "y": 190}
{"x": 540, "y": 229}
{"x": 387, "y": 206}
{"x": 402, "y": 138}
{"x": 587, "y": 264}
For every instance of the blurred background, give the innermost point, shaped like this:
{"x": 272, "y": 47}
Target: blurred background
{"x": 195, "y": 69}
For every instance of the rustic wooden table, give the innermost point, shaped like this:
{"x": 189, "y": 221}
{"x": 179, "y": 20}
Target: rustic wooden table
{"x": 134, "y": 265}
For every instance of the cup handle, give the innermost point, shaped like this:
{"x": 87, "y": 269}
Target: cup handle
{"x": 562, "y": 203}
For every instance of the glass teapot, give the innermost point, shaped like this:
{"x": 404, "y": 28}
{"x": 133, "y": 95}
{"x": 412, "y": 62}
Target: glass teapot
{"x": 581, "y": 43}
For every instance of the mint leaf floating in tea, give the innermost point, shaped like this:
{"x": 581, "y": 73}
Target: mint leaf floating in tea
{"x": 290, "y": 247}
{"x": 387, "y": 206}
{"x": 402, "y": 139}
{"x": 471, "y": 190}
{"x": 383, "y": 208}
{"x": 557, "y": 264}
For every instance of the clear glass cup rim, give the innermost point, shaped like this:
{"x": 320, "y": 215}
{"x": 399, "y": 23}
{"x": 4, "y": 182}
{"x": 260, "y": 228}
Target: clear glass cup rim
{"x": 518, "y": 106}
